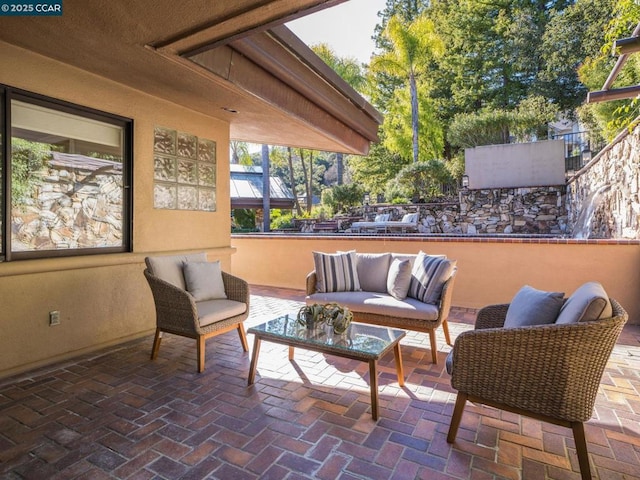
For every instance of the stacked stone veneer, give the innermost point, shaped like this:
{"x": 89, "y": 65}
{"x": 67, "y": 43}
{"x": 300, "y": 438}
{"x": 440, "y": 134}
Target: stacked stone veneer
{"x": 70, "y": 208}
{"x": 524, "y": 211}
{"x": 603, "y": 196}
{"x": 532, "y": 211}
{"x": 602, "y": 201}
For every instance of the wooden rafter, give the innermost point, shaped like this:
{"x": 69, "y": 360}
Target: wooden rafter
{"x": 606, "y": 94}
{"x": 625, "y": 46}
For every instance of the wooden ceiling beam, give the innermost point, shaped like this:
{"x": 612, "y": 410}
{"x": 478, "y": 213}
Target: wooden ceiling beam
{"x": 238, "y": 24}
{"x": 347, "y": 107}
{"x": 615, "y": 94}
{"x": 625, "y": 46}
{"x": 241, "y": 72}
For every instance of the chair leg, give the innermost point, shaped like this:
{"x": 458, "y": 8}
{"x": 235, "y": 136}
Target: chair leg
{"x": 434, "y": 346}
{"x": 581, "y": 449}
{"x": 461, "y": 401}
{"x": 445, "y": 329}
{"x": 156, "y": 344}
{"x": 201, "y": 349}
{"x": 243, "y": 337}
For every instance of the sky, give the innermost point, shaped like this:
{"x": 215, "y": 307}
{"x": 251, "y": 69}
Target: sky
{"x": 347, "y": 28}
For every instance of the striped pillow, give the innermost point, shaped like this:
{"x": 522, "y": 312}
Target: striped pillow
{"x": 336, "y": 272}
{"x": 429, "y": 274}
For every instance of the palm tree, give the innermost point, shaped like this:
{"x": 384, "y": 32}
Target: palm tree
{"x": 240, "y": 153}
{"x": 413, "y": 48}
{"x": 351, "y": 72}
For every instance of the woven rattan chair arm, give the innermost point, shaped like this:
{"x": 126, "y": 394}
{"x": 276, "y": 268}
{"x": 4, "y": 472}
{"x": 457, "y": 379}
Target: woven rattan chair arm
{"x": 445, "y": 297}
{"x": 491, "y": 316}
{"x": 175, "y": 308}
{"x": 312, "y": 281}
{"x": 236, "y": 288}
{"x": 552, "y": 370}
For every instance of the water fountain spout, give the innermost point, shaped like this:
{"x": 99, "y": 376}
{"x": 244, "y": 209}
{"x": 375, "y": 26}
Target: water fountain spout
{"x": 582, "y": 226}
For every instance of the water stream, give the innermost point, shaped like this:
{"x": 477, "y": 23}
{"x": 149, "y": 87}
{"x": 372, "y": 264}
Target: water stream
{"x": 582, "y": 227}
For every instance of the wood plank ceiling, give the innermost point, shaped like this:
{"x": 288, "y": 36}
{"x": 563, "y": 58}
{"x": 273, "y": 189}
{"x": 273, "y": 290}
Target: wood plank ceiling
{"x": 232, "y": 59}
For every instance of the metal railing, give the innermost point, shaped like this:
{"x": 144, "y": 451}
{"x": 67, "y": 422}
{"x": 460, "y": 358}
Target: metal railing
{"x": 579, "y": 148}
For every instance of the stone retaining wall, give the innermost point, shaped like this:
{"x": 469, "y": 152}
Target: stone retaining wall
{"x": 525, "y": 211}
{"x": 603, "y": 196}
{"x": 70, "y": 208}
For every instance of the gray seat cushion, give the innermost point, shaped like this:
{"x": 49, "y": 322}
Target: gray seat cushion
{"x": 378, "y": 303}
{"x": 212, "y": 311}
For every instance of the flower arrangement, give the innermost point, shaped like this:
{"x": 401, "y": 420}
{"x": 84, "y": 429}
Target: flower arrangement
{"x": 332, "y": 314}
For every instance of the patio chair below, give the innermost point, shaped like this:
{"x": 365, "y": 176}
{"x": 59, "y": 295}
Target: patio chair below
{"x": 194, "y": 298}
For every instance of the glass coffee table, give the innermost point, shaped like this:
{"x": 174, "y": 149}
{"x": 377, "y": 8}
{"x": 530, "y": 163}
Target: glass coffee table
{"x": 367, "y": 343}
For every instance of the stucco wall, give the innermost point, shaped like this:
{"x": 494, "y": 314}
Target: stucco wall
{"x": 489, "y": 270}
{"x": 103, "y": 299}
{"x": 515, "y": 165}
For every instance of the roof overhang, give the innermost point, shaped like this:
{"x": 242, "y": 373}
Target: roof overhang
{"x": 232, "y": 60}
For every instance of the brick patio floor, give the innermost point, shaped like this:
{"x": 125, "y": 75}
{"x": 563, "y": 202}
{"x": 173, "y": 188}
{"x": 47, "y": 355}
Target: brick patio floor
{"x": 116, "y": 414}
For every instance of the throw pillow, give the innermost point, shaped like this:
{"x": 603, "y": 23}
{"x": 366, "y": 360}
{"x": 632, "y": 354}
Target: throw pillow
{"x": 533, "y": 307}
{"x": 204, "y": 280}
{"x": 169, "y": 267}
{"x": 372, "y": 271}
{"x": 589, "y": 302}
{"x": 429, "y": 274}
{"x": 336, "y": 272}
{"x": 399, "y": 278}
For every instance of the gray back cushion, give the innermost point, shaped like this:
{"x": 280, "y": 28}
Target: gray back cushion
{"x": 373, "y": 269}
{"x": 169, "y": 267}
{"x": 589, "y": 302}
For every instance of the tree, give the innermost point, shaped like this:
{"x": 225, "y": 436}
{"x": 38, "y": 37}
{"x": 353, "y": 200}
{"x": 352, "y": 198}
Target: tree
{"x": 612, "y": 116}
{"x": 414, "y": 47}
{"x": 240, "y": 153}
{"x": 571, "y": 36}
{"x": 485, "y": 127}
{"x": 375, "y": 170}
{"x": 422, "y": 180}
{"x": 292, "y": 180}
{"x": 497, "y": 126}
{"x": 493, "y": 56}
{"x": 28, "y": 161}
{"x": 351, "y": 72}
{"x": 341, "y": 196}
{"x": 399, "y": 123}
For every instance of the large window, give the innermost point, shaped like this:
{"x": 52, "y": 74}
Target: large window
{"x": 67, "y": 176}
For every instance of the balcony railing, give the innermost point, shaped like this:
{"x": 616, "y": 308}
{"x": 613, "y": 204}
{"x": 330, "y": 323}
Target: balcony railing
{"x": 579, "y": 148}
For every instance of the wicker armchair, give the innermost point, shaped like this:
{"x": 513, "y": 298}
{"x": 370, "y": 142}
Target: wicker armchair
{"x": 178, "y": 313}
{"x": 550, "y": 372}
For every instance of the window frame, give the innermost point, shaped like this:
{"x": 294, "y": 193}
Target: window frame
{"x": 7, "y": 95}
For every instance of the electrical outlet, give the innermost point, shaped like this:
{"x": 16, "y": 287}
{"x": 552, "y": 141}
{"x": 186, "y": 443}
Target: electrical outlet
{"x": 54, "y": 318}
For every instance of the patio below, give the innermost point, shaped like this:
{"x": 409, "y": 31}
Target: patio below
{"x": 115, "y": 413}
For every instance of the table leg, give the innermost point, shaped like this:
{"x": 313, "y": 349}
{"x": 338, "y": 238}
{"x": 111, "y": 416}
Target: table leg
{"x": 254, "y": 360}
{"x": 291, "y": 349}
{"x": 399, "y": 369}
{"x": 373, "y": 381}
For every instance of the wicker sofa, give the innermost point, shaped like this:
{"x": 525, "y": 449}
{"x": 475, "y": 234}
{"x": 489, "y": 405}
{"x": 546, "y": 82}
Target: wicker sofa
{"x": 372, "y": 302}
